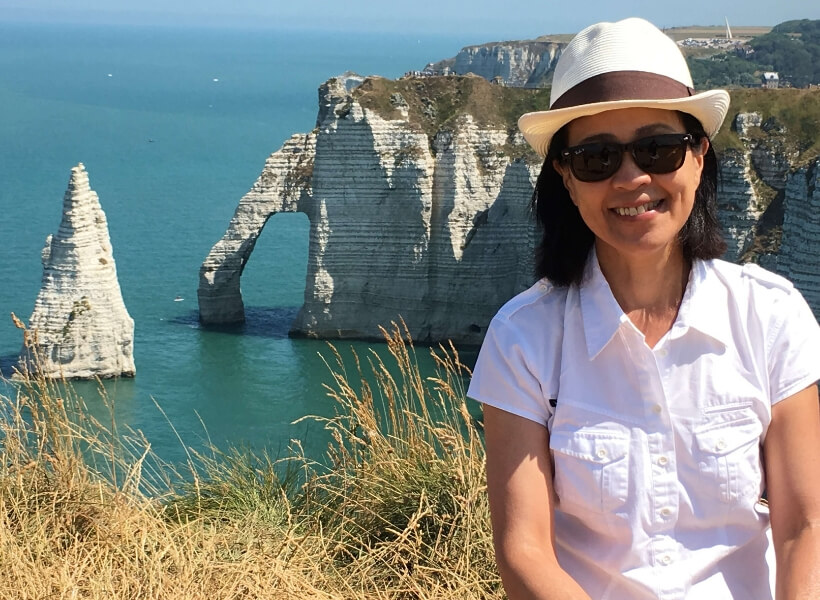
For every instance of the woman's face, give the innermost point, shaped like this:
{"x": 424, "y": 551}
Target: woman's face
{"x": 663, "y": 201}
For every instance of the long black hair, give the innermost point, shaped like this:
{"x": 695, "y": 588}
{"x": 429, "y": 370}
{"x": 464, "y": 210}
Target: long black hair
{"x": 566, "y": 239}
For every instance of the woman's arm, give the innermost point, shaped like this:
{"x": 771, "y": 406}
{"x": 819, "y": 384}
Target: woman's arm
{"x": 519, "y": 484}
{"x": 792, "y": 460}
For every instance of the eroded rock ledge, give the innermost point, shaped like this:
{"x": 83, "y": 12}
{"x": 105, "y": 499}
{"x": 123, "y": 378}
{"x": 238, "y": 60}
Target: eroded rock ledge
{"x": 80, "y": 328}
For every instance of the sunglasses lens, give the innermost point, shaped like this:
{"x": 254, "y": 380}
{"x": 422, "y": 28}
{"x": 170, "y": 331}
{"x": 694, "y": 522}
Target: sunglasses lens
{"x": 595, "y": 162}
{"x": 659, "y": 154}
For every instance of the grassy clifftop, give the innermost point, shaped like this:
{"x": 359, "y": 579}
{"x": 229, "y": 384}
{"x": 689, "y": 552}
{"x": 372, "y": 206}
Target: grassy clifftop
{"x": 790, "y": 114}
{"x": 434, "y": 103}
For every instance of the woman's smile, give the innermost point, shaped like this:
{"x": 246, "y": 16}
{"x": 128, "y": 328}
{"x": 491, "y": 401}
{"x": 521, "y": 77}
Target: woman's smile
{"x": 640, "y": 209}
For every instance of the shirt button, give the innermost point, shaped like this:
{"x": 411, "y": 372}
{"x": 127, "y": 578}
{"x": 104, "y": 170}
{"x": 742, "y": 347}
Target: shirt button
{"x": 657, "y": 409}
{"x": 666, "y": 559}
{"x": 721, "y": 444}
{"x": 663, "y": 461}
{"x": 601, "y": 453}
{"x": 663, "y": 352}
{"x": 542, "y": 287}
{"x": 665, "y": 512}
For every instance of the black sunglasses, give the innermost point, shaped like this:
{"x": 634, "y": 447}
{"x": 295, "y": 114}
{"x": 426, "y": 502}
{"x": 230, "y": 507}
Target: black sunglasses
{"x": 656, "y": 154}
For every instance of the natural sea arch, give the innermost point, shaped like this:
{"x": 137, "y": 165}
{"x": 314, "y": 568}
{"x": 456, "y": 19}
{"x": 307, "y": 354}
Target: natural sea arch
{"x": 275, "y": 275}
{"x": 283, "y": 187}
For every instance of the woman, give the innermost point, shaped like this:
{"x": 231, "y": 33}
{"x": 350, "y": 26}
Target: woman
{"x": 641, "y": 396}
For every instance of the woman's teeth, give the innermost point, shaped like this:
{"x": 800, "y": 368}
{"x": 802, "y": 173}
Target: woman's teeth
{"x": 637, "y": 210}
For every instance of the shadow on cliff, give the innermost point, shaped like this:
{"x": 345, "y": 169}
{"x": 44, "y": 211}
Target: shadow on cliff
{"x": 260, "y": 321}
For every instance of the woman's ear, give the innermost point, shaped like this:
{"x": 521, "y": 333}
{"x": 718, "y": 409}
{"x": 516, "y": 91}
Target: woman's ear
{"x": 566, "y": 177}
{"x": 702, "y": 146}
{"x": 699, "y": 153}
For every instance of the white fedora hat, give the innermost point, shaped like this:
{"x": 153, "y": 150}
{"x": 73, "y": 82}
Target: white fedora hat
{"x": 621, "y": 65}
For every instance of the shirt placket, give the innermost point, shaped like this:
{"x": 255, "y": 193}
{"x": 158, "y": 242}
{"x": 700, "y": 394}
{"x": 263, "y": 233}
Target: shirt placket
{"x": 663, "y": 500}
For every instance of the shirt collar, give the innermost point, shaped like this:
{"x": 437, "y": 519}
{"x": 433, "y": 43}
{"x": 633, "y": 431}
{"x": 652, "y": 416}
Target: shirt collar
{"x": 704, "y": 305}
{"x": 602, "y": 315}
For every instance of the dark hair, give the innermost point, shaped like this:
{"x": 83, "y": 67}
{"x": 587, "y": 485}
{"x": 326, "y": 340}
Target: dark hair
{"x": 566, "y": 240}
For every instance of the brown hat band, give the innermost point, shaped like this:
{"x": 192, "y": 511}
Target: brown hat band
{"x": 622, "y": 85}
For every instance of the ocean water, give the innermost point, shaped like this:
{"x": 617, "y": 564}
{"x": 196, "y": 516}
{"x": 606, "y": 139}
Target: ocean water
{"x": 173, "y": 126}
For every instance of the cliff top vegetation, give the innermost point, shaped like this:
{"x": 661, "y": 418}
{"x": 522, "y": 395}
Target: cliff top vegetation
{"x": 790, "y": 116}
{"x": 434, "y": 103}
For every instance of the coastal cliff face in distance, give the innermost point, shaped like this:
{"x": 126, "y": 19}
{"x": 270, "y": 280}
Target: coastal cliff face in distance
{"x": 418, "y": 193}
{"x": 517, "y": 63}
{"x": 80, "y": 328}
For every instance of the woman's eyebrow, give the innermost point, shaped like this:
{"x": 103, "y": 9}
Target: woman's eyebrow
{"x": 657, "y": 128}
{"x": 597, "y": 137}
{"x": 639, "y": 133}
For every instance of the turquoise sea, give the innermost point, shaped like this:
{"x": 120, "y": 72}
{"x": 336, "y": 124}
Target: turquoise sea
{"x": 173, "y": 126}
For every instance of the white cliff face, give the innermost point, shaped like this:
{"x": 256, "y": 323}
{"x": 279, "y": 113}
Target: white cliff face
{"x": 800, "y": 241}
{"x": 745, "y": 121}
{"x": 738, "y": 205}
{"x": 783, "y": 233}
{"x": 435, "y": 232}
{"x": 519, "y": 64}
{"x": 80, "y": 328}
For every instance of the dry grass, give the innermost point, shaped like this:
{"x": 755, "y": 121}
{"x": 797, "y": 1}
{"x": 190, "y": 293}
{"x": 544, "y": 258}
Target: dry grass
{"x": 398, "y": 510}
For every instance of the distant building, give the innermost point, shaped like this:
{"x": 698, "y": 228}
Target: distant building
{"x": 771, "y": 80}
{"x": 744, "y": 50}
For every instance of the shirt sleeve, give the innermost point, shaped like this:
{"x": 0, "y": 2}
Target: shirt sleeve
{"x": 506, "y": 373}
{"x": 794, "y": 348}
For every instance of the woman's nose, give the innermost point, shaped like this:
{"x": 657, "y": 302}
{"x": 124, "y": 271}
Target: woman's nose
{"x": 629, "y": 175}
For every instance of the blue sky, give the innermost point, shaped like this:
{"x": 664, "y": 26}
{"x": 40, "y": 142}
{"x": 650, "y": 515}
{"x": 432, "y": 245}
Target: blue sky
{"x": 490, "y": 18}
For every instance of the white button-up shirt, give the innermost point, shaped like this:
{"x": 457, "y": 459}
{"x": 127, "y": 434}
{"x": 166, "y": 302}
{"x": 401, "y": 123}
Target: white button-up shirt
{"x": 657, "y": 463}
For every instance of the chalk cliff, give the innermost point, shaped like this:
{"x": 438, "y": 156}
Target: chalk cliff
{"x": 799, "y": 255}
{"x": 427, "y": 225}
{"x": 519, "y": 63}
{"x": 283, "y": 186}
{"x": 768, "y": 201}
{"x": 80, "y": 328}
{"x": 417, "y": 192}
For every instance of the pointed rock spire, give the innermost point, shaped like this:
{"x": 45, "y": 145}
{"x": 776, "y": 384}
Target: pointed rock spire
{"x": 80, "y": 327}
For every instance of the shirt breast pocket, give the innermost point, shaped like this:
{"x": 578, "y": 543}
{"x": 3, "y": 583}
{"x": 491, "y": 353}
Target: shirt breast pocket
{"x": 591, "y": 469}
{"x": 729, "y": 457}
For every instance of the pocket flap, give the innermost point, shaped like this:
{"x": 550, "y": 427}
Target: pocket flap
{"x": 729, "y": 437}
{"x": 594, "y": 446}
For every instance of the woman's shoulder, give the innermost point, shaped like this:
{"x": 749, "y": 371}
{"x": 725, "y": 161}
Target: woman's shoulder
{"x": 750, "y": 280}
{"x": 541, "y": 300}
{"x": 760, "y": 300}
{"x": 532, "y": 321}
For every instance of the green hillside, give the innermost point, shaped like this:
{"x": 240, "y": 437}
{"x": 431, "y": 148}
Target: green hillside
{"x": 792, "y": 49}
